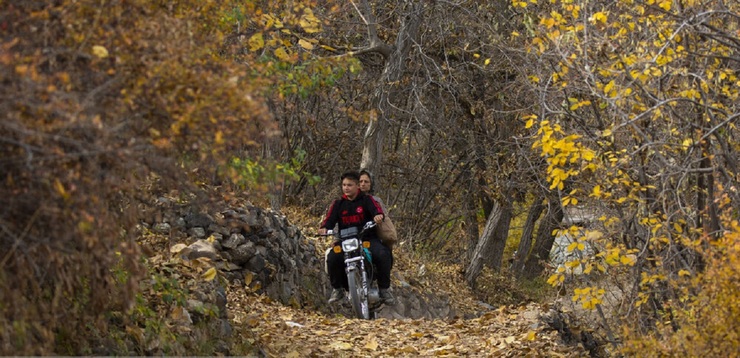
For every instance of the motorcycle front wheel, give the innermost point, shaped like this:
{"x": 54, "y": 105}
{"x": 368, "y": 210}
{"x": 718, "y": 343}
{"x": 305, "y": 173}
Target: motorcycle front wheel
{"x": 358, "y": 295}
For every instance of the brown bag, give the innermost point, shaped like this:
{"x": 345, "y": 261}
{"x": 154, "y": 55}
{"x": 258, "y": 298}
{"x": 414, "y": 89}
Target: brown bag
{"x": 387, "y": 232}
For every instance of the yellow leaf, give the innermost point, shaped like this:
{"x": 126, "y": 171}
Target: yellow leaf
{"x": 410, "y": 349}
{"x": 530, "y": 120}
{"x": 372, "y": 344}
{"x": 628, "y": 260}
{"x": 219, "y": 138}
{"x": 487, "y": 61}
{"x": 677, "y": 227}
{"x": 684, "y": 273}
{"x": 590, "y": 304}
{"x": 309, "y": 22}
{"x": 341, "y": 346}
{"x": 531, "y": 335}
{"x": 600, "y": 17}
{"x": 554, "y": 279}
{"x": 594, "y": 235}
{"x": 209, "y": 275}
{"x": 282, "y": 54}
{"x": 608, "y": 87}
{"x": 100, "y": 51}
{"x": 589, "y": 268}
{"x": 256, "y": 42}
{"x": 305, "y": 44}
{"x": 177, "y": 248}
{"x": 514, "y": 34}
{"x": 60, "y": 189}
{"x": 21, "y": 69}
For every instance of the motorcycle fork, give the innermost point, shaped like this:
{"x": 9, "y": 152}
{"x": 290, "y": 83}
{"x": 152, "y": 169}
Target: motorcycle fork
{"x": 357, "y": 263}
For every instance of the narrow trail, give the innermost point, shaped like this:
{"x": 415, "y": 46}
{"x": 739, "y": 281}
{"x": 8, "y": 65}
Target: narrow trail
{"x": 286, "y": 331}
{"x": 282, "y": 331}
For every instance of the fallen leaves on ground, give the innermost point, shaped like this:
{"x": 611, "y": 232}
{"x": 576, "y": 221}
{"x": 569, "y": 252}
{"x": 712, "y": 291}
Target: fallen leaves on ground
{"x": 282, "y": 331}
{"x": 509, "y": 331}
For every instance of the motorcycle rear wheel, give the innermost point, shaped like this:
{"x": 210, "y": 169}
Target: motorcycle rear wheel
{"x": 358, "y": 295}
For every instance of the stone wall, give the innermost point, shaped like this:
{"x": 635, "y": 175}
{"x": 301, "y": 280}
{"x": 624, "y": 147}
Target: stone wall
{"x": 261, "y": 250}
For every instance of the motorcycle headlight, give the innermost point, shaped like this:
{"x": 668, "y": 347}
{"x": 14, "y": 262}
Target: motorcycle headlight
{"x": 350, "y": 245}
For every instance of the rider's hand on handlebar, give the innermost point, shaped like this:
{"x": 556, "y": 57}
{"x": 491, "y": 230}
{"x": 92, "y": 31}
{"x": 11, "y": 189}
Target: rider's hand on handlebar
{"x": 322, "y": 231}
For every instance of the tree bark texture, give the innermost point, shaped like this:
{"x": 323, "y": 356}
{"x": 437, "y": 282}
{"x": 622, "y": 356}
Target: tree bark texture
{"x": 372, "y": 146}
{"x": 482, "y": 249}
{"x": 525, "y": 244}
{"x": 500, "y": 235}
{"x": 471, "y": 217}
{"x": 543, "y": 243}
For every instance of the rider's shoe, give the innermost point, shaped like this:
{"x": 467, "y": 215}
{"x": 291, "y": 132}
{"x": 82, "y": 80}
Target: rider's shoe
{"x": 387, "y": 297}
{"x": 336, "y": 295}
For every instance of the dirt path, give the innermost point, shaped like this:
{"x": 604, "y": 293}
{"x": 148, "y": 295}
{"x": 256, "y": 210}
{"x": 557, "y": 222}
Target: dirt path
{"x": 283, "y": 331}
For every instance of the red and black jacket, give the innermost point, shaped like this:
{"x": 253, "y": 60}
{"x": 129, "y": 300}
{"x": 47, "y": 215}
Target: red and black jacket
{"x": 356, "y": 212}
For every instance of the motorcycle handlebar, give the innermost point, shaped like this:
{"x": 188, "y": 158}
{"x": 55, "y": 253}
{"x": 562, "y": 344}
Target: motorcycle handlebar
{"x": 368, "y": 225}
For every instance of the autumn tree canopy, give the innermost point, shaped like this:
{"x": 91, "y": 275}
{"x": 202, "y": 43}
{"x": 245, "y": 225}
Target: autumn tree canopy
{"x": 101, "y": 102}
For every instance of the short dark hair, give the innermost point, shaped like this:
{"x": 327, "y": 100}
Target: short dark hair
{"x": 352, "y": 175}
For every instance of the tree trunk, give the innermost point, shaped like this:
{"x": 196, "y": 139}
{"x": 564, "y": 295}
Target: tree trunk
{"x": 471, "y": 217}
{"x": 500, "y": 235}
{"x": 372, "y": 145}
{"x": 707, "y": 217}
{"x": 545, "y": 238}
{"x": 525, "y": 244}
{"x": 482, "y": 249}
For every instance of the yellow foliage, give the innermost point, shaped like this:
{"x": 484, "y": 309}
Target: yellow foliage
{"x": 589, "y": 297}
{"x": 599, "y": 17}
{"x": 256, "y": 42}
{"x": 707, "y": 313}
{"x": 309, "y": 22}
{"x": 556, "y": 279}
{"x": 210, "y": 274}
{"x": 100, "y": 51}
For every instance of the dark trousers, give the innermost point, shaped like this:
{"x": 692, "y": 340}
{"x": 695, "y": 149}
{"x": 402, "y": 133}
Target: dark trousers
{"x": 382, "y": 259}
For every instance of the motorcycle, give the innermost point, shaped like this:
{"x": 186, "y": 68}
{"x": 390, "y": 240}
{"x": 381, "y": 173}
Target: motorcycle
{"x": 364, "y": 295}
